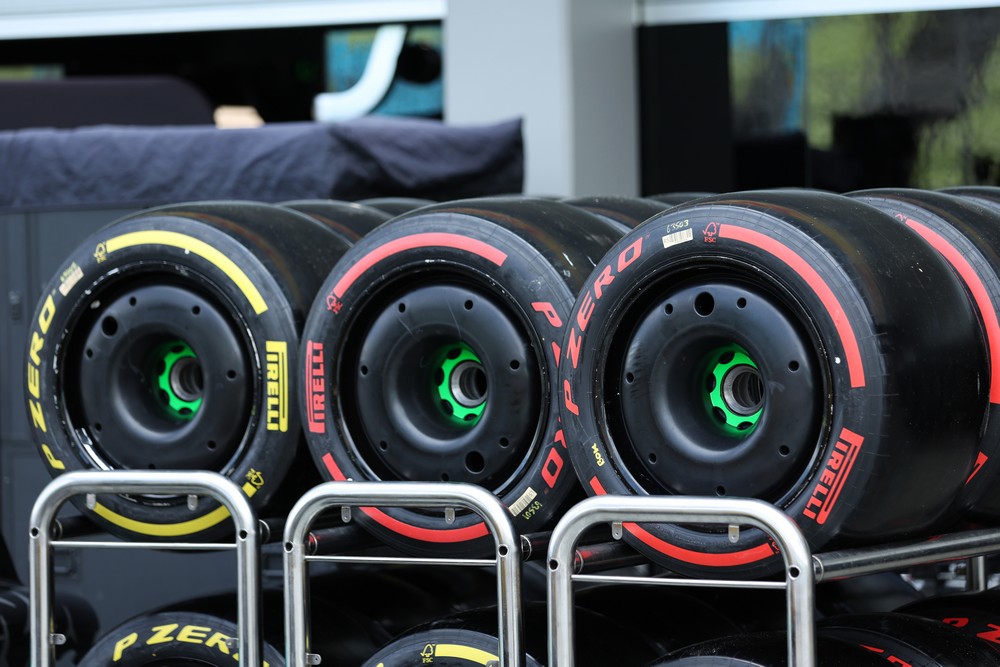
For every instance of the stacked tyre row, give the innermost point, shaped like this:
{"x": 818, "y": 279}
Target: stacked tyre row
{"x": 832, "y": 354}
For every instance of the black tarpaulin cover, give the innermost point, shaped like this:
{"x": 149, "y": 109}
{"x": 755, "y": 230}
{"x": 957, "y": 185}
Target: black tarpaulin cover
{"x": 373, "y": 156}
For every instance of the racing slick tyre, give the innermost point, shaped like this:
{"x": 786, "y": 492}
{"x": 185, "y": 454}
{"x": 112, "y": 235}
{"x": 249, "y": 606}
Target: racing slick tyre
{"x": 73, "y": 617}
{"x": 173, "y": 638}
{"x": 765, "y": 649}
{"x": 904, "y": 639}
{"x": 470, "y": 639}
{"x": 676, "y": 198}
{"x": 790, "y": 346}
{"x": 339, "y": 632}
{"x": 975, "y": 613}
{"x": 430, "y": 355}
{"x": 348, "y": 219}
{"x": 396, "y": 205}
{"x": 626, "y": 212}
{"x": 984, "y": 195}
{"x": 169, "y": 340}
{"x": 967, "y": 235}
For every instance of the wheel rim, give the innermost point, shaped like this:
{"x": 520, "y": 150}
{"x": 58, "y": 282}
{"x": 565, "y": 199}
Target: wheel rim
{"x": 426, "y": 369}
{"x": 158, "y": 375}
{"x": 713, "y": 387}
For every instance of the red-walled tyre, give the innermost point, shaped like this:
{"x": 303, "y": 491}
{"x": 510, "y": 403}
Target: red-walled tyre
{"x": 765, "y": 649}
{"x": 169, "y": 340}
{"x": 173, "y": 638}
{"x": 976, "y": 613}
{"x": 430, "y": 355}
{"x": 795, "y": 347}
{"x": 349, "y": 220}
{"x": 967, "y": 235}
{"x": 904, "y": 639}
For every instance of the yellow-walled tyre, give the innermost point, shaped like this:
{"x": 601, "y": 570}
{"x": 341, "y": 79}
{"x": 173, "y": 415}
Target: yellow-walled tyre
{"x": 173, "y": 638}
{"x": 169, "y": 340}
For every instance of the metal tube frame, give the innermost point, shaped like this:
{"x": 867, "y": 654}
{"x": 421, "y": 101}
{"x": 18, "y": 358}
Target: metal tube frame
{"x": 799, "y": 577}
{"x": 802, "y": 569}
{"x": 215, "y": 485}
{"x": 401, "y": 494}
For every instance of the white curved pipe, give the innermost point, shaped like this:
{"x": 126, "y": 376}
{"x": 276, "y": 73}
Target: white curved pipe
{"x": 374, "y": 83}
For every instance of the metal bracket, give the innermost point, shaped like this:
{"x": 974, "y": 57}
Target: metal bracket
{"x": 401, "y": 494}
{"x": 90, "y": 483}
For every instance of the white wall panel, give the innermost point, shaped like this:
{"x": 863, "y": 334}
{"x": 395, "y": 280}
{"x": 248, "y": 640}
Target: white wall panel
{"x": 28, "y": 19}
{"x": 665, "y": 12}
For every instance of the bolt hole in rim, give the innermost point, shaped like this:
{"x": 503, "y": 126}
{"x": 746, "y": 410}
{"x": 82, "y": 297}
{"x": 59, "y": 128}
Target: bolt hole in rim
{"x": 697, "y": 359}
{"x": 140, "y": 396}
{"x": 422, "y": 406}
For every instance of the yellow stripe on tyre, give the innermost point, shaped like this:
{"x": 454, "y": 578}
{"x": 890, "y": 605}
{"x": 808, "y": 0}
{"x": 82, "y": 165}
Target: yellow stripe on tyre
{"x": 198, "y": 247}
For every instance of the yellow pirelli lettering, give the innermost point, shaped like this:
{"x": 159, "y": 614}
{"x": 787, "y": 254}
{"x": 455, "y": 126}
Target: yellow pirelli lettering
{"x": 193, "y": 634}
{"x": 478, "y": 656}
{"x": 37, "y": 416}
{"x": 122, "y": 644}
{"x": 218, "y": 640}
{"x": 198, "y": 247}
{"x": 276, "y": 361}
{"x": 36, "y": 345}
{"x": 55, "y": 463}
{"x": 161, "y": 634}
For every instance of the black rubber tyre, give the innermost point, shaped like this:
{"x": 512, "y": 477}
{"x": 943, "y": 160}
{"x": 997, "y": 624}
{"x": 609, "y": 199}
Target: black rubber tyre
{"x": 878, "y": 592}
{"x": 169, "y": 340}
{"x": 904, "y": 639}
{"x": 444, "y": 647}
{"x": 676, "y": 198}
{"x": 691, "y": 619}
{"x": 430, "y": 355}
{"x": 967, "y": 236}
{"x": 984, "y": 195}
{"x": 178, "y": 639}
{"x": 765, "y": 649}
{"x": 396, "y": 205}
{"x": 398, "y": 597}
{"x": 349, "y": 220}
{"x": 626, "y": 212}
{"x": 470, "y": 639}
{"x": 338, "y": 631}
{"x": 72, "y": 616}
{"x": 976, "y": 614}
{"x": 794, "y": 347}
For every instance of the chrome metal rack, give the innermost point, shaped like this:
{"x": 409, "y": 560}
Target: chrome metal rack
{"x": 802, "y": 568}
{"x": 565, "y": 562}
{"x": 403, "y": 494}
{"x": 193, "y": 484}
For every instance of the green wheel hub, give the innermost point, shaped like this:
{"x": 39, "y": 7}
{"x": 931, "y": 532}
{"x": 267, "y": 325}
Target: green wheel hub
{"x": 461, "y": 384}
{"x": 179, "y": 378}
{"x": 735, "y": 390}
